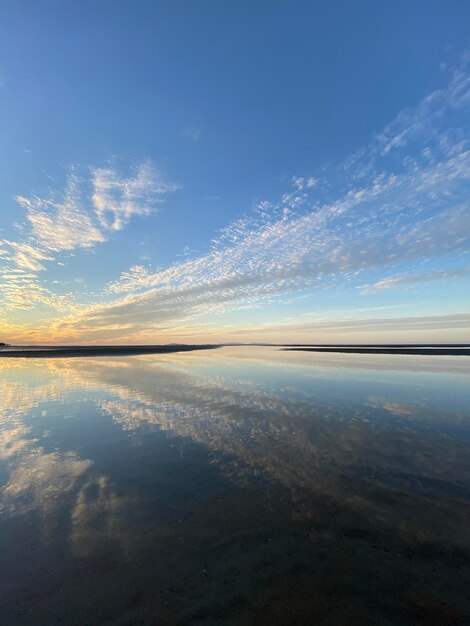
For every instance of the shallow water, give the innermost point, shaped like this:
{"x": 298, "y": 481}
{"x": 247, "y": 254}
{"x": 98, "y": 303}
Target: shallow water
{"x": 235, "y": 486}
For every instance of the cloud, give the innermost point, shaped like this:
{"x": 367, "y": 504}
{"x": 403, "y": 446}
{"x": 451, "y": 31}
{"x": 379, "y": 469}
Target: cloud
{"x": 300, "y": 183}
{"x": 386, "y": 324}
{"x": 414, "y": 279}
{"x": 192, "y": 133}
{"x": 132, "y": 277}
{"x": 25, "y": 256}
{"x": 23, "y": 290}
{"x": 61, "y": 224}
{"x": 116, "y": 200}
{"x": 69, "y": 220}
{"x": 80, "y": 218}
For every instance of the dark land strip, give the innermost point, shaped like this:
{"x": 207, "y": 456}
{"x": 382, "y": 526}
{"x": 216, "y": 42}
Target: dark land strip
{"x": 376, "y": 345}
{"x": 442, "y": 351}
{"x": 81, "y": 351}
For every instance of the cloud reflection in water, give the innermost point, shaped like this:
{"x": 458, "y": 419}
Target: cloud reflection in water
{"x": 172, "y": 466}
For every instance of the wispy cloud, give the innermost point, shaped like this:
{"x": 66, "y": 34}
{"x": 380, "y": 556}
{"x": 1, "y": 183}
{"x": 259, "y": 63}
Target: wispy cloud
{"x": 24, "y": 256}
{"x": 116, "y": 199}
{"x": 23, "y": 290}
{"x": 376, "y": 324}
{"x": 61, "y": 223}
{"x": 406, "y": 280}
{"x": 192, "y": 133}
{"x": 300, "y": 182}
{"x": 81, "y": 216}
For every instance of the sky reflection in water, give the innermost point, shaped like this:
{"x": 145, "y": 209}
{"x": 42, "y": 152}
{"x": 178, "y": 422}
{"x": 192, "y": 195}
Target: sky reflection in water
{"x": 243, "y": 485}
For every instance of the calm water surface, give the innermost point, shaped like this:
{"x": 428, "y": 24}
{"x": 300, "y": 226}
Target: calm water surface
{"x": 235, "y": 486}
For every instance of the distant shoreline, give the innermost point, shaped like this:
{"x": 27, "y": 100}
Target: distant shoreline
{"x": 81, "y": 351}
{"x": 47, "y": 352}
{"x": 442, "y": 351}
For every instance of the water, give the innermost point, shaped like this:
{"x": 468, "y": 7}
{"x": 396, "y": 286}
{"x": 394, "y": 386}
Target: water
{"x": 236, "y": 486}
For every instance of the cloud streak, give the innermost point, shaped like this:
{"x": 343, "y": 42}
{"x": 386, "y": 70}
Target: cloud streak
{"x": 410, "y": 280}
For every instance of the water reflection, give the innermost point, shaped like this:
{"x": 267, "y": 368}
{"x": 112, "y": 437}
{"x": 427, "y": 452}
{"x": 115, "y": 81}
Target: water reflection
{"x": 236, "y": 486}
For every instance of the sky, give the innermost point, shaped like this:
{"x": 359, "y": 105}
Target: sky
{"x": 234, "y": 171}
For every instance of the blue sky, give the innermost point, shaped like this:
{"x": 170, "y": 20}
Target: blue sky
{"x": 234, "y": 171}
